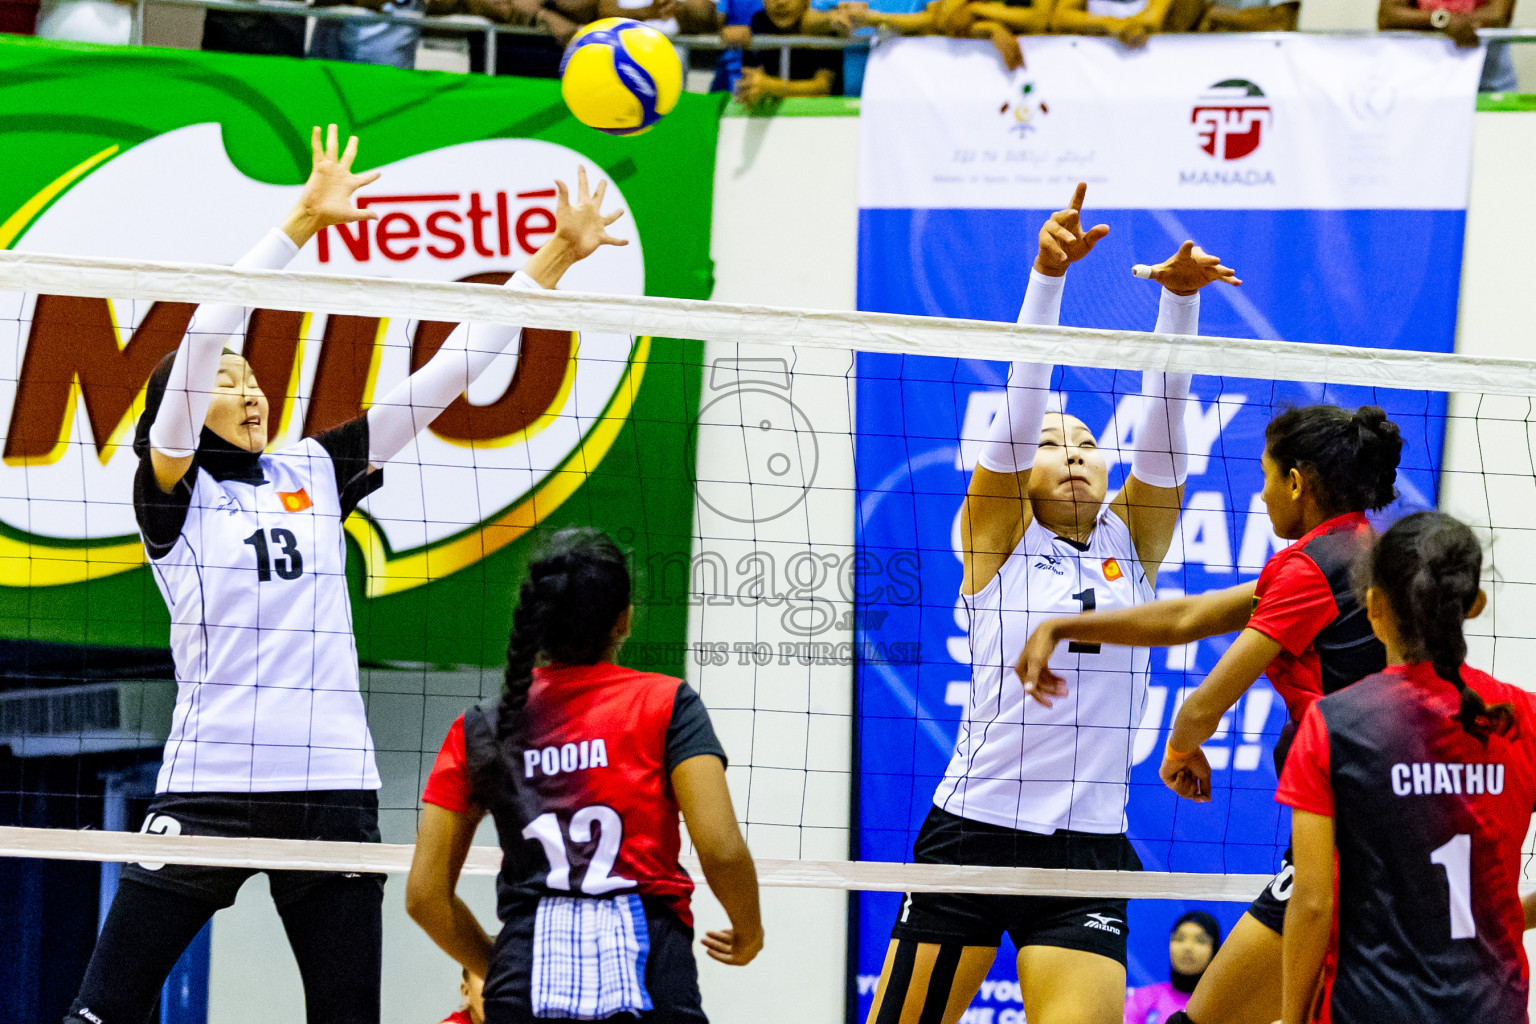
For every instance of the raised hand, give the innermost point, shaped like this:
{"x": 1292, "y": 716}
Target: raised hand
{"x": 1062, "y": 239}
{"x": 581, "y": 228}
{"x": 1034, "y": 669}
{"x": 1190, "y": 269}
{"x": 328, "y": 197}
{"x": 582, "y": 225}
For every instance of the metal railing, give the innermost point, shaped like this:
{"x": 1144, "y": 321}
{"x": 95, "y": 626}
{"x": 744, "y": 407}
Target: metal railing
{"x": 472, "y": 25}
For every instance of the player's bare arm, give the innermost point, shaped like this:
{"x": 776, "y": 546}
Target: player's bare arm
{"x": 1309, "y": 917}
{"x": 443, "y": 839}
{"x": 1168, "y": 623}
{"x": 699, "y": 784}
{"x": 1185, "y": 769}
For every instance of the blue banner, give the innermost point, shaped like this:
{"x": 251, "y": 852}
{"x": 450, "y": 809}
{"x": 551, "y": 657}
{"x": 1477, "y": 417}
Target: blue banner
{"x": 1373, "y": 277}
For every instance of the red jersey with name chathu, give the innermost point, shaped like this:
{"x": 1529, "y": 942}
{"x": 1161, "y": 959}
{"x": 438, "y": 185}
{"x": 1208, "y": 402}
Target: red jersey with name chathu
{"x": 581, "y": 792}
{"x": 1429, "y": 824}
{"x": 1305, "y": 602}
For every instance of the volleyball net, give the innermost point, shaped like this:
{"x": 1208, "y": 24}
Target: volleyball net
{"x": 788, "y": 484}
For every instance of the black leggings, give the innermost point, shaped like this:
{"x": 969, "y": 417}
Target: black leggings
{"x": 335, "y": 929}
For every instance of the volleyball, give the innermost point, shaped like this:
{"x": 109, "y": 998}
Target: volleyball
{"x": 620, "y": 76}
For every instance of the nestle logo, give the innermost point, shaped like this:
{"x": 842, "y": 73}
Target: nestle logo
{"x": 1230, "y": 119}
{"x": 446, "y": 225}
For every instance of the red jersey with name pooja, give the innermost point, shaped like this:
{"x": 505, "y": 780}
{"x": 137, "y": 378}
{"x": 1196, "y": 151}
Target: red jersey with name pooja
{"x": 1305, "y": 602}
{"x": 581, "y": 792}
{"x": 1429, "y": 823}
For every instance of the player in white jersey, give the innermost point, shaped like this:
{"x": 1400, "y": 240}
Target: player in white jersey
{"x": 1044, "y": 784}
{"x": 269, "y": 736}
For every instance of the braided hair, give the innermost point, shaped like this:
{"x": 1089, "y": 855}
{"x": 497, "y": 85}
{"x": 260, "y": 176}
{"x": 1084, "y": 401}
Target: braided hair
{"x": 1351, "y": 457}
{"x": 577, "y": 587}
{"x": 1429, "y": 566}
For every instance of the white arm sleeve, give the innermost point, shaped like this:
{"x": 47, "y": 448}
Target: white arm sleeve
{"x": 1161, "y": 457}
{"x": 189, "y": 389}
{"x": 1015, "y": 433}
{"x": 419, "y": 399}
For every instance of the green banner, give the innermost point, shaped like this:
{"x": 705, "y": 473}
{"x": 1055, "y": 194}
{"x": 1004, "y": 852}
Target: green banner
{"x": 173, "y": 155}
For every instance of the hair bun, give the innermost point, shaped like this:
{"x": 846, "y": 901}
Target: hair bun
{"x": 1381, "y": 449}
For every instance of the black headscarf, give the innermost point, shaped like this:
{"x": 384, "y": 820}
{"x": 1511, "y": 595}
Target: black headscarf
{"x": 222, "y": 460}
{"x": 1186, "y": 982}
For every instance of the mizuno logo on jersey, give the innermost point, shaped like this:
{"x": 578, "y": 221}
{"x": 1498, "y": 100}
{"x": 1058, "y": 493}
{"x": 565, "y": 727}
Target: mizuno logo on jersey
{"x": 1051, "y": 565}
{"x": 1104, "y": 923}
{"x": 1112, "y": 569}
{"x": 227, "y": 504}
{"x": 295, "y": 501}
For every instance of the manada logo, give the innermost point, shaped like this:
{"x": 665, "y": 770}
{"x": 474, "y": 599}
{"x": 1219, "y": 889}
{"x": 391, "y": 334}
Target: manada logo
{"x": 1230, "y": 119}
{"x": 466, "y": 487}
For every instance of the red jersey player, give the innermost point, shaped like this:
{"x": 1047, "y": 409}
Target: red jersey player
{"x": 1300, "y": 623}
{"x": 1422, "y": 778}
{"x": 584, "y": 766}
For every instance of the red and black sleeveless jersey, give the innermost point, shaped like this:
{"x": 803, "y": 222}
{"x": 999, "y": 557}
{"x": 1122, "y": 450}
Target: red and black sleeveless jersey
{"x": 1429, "y": 824}
{"x": 1305, "y": 602}
{"x": 582, "y": 793}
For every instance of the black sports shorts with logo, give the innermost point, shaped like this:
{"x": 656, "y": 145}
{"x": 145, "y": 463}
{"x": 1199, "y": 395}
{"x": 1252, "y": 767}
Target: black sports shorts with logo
{"x": 1089, "y": 925}
{"x": 338, "y": 815}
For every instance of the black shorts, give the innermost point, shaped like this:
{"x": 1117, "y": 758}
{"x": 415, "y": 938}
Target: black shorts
{"x": 1269, "y": 908}
{"x": 349, "y": 816}
{"x": 671, "y": 974}
{"x": 1090, "y": 925}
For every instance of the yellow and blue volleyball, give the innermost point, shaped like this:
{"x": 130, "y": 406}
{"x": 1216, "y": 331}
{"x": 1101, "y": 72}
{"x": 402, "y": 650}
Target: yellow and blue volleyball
{"x": 620, "y": 76}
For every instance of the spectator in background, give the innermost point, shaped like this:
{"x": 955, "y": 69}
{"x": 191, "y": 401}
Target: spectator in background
{"x": 669, "y": 17}
{"x": 18, "y": 17}
{"x": 364, "y": 42}
{"x": 1191, "y": 947}
{"x": 1459, "y": 19}
{"x": 1233, "y": 16}
{"x": 531, "y": 56}
{"x": 271, "y": 35}
{"x": 733, "y": 20}
{"x": 1001, "y": 21}
{"x": 1129, "y": 21}
{"x": 471, "y": 1006}
{"x": 810, "y": 72}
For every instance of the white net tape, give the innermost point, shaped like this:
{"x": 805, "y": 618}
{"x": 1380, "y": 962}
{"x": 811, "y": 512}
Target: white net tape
{"x": 763, "y": 325}
{"x": 395, "y": 858}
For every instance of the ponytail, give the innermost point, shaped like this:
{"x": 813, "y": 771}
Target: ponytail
{"x": 1429, "y": 566}
{"x": 577, "y": 587}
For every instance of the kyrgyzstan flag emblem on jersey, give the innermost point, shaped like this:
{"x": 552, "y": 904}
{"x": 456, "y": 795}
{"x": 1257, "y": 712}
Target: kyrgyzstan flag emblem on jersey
{"x": 1112, "y": 570}
{"x": 298, "y": 501}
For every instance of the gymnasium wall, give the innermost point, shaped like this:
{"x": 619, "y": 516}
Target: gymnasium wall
{"x": 785, "y": 234}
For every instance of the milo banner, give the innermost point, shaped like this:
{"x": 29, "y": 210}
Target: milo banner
{"x": 186, "y": 156}
{"x": 1331, "y": 173}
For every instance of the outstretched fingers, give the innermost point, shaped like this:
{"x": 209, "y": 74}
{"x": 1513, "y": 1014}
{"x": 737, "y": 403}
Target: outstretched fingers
{"x": 582, "y": 192}
{"x": 1078, "y": 195}
{"x": 349, "y": 154}
{"x": 316, "y": 145}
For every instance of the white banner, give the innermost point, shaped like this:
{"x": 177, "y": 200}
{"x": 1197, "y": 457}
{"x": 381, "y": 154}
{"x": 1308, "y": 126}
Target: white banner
{"x": 1282, "y": 121}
